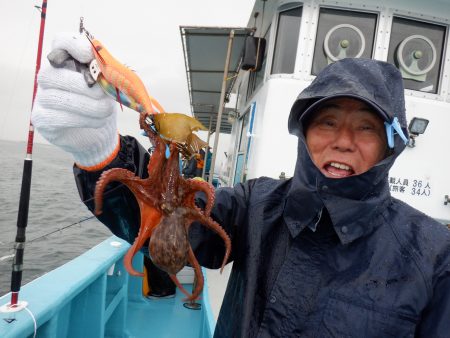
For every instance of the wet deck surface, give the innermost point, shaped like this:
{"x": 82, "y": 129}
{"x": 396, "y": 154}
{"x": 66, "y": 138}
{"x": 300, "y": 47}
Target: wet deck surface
{"x": 164, "y": 318}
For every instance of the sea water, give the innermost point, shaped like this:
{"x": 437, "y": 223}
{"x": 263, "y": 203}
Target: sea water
{"x": 54, "y": 204}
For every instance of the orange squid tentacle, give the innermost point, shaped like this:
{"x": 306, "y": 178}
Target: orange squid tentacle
{"x": 213, "y": 225}
{"x": 158, "y": 159}
{"x": 179, "y": 285}
{"x": 107, "y": 177}
{"x": 150, "y": 218}
{"x": 199, "y": 276}
{"x": 193, "y": 187}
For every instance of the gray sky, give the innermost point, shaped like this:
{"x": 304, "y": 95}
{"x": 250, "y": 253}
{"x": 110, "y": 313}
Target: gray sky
{"x": 142, "y": 34}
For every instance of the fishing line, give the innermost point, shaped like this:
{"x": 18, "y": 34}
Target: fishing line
{"x": 62, "y": 228}
{"x": 6, "y": 257}
{"x": 34, "y": 320}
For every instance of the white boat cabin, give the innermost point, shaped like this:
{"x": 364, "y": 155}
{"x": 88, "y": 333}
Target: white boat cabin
{"x": 301, "y": 38}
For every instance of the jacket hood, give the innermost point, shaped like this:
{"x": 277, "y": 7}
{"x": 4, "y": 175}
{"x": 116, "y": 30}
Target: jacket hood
{"x": 351, "y": 200}
{"x": 377, "y": 83}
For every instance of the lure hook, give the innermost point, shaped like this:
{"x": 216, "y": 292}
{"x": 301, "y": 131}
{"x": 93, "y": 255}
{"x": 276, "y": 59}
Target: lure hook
{"x": 82, "y": 29}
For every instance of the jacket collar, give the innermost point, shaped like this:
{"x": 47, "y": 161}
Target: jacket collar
{"x": 353, "y": 203}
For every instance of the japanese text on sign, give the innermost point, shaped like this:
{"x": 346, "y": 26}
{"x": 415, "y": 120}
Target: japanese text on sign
{"x": 415, "y": 187}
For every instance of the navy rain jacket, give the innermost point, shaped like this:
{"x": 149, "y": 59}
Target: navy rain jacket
{"x": 373, "y": 267}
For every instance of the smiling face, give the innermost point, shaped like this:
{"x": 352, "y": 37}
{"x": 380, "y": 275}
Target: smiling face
{"x": 345, "y": 137}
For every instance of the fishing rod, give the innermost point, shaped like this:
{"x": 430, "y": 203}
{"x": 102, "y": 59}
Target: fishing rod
{"x": 24, "y": 202}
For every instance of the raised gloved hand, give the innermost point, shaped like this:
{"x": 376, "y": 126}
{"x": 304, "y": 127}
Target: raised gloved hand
{"x": 69, "y": 113}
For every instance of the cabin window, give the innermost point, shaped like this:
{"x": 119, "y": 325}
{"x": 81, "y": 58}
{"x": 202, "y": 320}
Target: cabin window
{"x": 259, "y": 76}
{"x": 286, "y": 41}
{"x": 416, "y": 48}
{"x": 342, "y": 34}
{"x": 255, "y": 78}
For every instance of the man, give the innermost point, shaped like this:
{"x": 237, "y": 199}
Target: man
{"x": 191, "y": 167}
{"x": 328, "y": 253}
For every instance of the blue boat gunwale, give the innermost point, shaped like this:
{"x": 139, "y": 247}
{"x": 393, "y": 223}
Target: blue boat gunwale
{"x": 52, "y": 293}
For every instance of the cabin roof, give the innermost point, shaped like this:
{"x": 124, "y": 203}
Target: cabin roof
{"x": 205, "y": 51}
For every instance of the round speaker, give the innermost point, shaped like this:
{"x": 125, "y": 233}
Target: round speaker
{"x": 416, "y": 54}
{"x": 343, "y": 41}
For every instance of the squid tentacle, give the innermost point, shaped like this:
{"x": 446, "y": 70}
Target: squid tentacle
{"x": 179, "y": 285}
{"x": 198, "y": 273}
{"x": 116, "y": 174}
{"x": 150, "y": 218}
{"x": 193, "y": 186}
{"x": 213, "y": 225}
{"x": 199, "y": 278}
{"x": 158, "y": 159}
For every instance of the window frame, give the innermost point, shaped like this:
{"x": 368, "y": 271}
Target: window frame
{"x": 443, "y": 84}
{"x": 284, "y": 8}
{"x": 354, "y": 9}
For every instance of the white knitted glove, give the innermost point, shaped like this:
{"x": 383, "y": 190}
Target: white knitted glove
{"x": 70, "y": 114}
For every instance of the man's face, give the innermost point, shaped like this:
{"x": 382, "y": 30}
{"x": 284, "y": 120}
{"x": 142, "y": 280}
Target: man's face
{"x": 345, "y": 137}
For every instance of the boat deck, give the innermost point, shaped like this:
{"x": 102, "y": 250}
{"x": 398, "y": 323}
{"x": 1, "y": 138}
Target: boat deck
{"x": 163, "y": 318}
